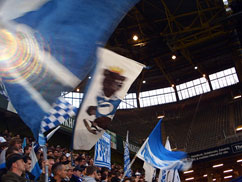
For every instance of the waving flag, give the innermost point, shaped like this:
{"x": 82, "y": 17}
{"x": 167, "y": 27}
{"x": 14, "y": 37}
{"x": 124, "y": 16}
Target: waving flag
{"x": 49, "y": 46}
{"x": 113, "y": 76}
{"x": 35, "y": 168}
{"x": 154, "y": 153}
{"x": 61, "y": 111}
{"x": 126, "y": 157}
{"x": 169, "y": 175}
{"x": 102, "y": 155}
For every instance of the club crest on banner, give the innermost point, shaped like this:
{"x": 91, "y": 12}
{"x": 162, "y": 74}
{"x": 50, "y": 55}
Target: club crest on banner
{"x": 107, "y": 101}
{"x": 110, "y": 82}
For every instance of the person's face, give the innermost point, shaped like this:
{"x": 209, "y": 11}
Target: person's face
{"x": 18, "y": 145}
{"x": 19, "y": 165}
{"x": 56, "y": 153}
{"x": 51, "y": 162}
{"x": 63, "y": 159}
{"x": 78, "y": 173}
{"x": 28, "y": 165}
{"x": 63, "y": 172}
{"x": 29, "y": 150}
{"x": 69, "y": 173}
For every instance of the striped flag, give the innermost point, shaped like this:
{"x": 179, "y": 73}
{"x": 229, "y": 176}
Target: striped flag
{"x": 102, "y": 155}
{"x": 35, "y": 168}
{"x": 126, "y": 157}
{"x": 154, "y": 153}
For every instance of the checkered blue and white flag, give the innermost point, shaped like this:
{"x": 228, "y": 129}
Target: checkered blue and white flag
{"x": 61, "y": 111}
{"x": 126, "y": 157}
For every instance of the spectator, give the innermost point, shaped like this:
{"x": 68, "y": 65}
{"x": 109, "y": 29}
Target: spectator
{"x": 28, "y": 175}
{"x": 76, "y": 176}
{"x": 27, "y": 150}
{"x": 59, "y": 172}
{"x": 91, "y": 173}
{"x": 16, "y": 167}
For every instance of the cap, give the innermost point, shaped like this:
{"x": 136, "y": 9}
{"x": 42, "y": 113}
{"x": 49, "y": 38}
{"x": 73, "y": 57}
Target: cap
{"x": 2, "y": 139}
{"x": 12, "y": 159}
{"x": 79, "y": 168}
{"x": 137, "y": 173}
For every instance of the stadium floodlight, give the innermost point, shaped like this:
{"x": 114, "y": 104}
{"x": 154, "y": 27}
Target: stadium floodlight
{"x": 228, "y": 170}
{"x": 186, "y": 172}
{"x": 237, "y": 96}
{"x": 226, "y": 177}
{"x": 218, "y": 165}
{"x": 240, "y": 160}
{"x": 189, "y": 179}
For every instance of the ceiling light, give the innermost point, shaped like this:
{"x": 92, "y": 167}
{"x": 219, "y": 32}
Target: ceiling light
{"x": 227, "y": 171}
{"x": 226, "y": 177}
{"x": 186, "y": 172}
{"x": 239, "y": 128}
{"x": 173, "y": 57}
{"x": 205, "y": 175}
{"x": 214, "y": 179}
{"x": 135, "y": 37}
{"x": 144, "y": 81}
{"x": 78, "y": 90}
{"x": 160, "y": 116}
{"x": 218, "y": 165}
{"x": 195, "y": 67}
{"x": 237, "y": 96}
{"x": 188, "y": 179}
{"x": 240, "y": 160}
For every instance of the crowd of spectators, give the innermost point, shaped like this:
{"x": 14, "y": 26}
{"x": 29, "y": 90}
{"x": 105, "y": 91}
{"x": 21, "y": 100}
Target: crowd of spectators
{"x": 63, "y": 165}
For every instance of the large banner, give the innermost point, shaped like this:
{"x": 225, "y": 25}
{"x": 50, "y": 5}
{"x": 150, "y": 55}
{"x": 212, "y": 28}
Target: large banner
{"x": 110, "y": 83}
{"x": 102, "y": 156}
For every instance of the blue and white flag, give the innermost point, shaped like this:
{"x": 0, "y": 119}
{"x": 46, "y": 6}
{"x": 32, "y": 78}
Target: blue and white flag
{"x": 113, "y": 77}
{"x": 49, "y": 47}
{"x": 169, "y": 175}
{"x": 154, "y": 153}
{"x": 102, "y": 156}
{"x": 35, "y": 168}
{"x": 126, "y": 157}
{"x": 61, "y": 111}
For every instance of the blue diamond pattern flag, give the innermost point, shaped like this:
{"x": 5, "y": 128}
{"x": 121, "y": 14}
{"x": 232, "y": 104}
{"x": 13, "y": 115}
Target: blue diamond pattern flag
{"x": 61, "y": 111}
{"x": 110, "y": 82}
{"x": 154, "y": 153}
{"x": 102, "y": 155}
{"x": 126, "y": 157}
{"x": 49, "y": 47}
{"x": 169, "y": 175}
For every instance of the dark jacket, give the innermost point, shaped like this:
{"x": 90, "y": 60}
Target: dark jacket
{"x": 12, "y": 177}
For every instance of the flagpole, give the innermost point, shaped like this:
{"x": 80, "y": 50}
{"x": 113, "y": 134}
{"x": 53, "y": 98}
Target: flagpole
{"x": 46, "y": 166}
{"x": 131, "y": 163}
{"x": 129, "y": 166}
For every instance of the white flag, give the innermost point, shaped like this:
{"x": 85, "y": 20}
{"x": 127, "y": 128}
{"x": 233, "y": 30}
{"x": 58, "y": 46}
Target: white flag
{"x": 149, "y": 172}
{"x": 110, "y": 83}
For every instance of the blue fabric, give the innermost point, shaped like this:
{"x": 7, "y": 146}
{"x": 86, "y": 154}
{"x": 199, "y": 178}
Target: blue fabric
{"x": 102, "y": 157}
{"x": 3, "y": 165}
{"x": 71, "y": 32}
{"x": 154, "y": 153}
{"x": 127, "y": 159}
